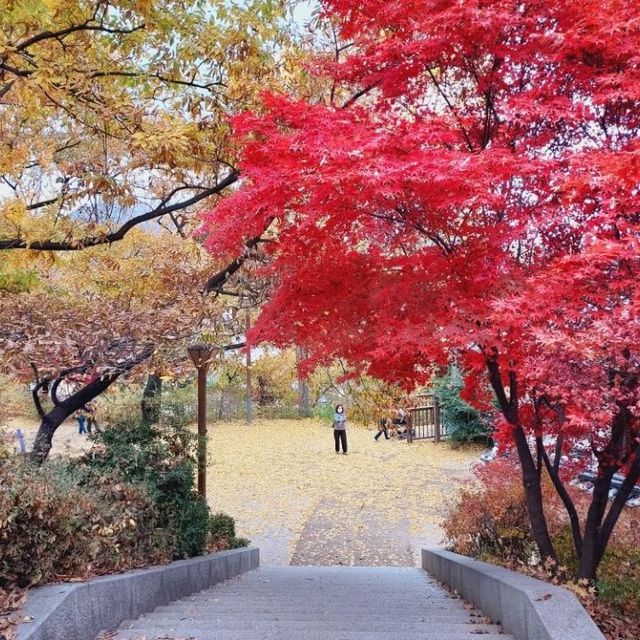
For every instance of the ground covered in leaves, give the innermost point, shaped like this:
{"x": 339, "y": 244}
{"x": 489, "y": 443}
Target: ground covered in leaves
{"x": 303, "y": 504}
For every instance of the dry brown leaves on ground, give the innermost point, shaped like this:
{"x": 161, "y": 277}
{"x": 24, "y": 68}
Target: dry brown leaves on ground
{"x": 10, "y": 604}
{"x": 612, "y": 625}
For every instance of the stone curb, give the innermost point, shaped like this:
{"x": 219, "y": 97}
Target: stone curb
{"x": 81, "y": 610}
{"x": 527, "y": 608}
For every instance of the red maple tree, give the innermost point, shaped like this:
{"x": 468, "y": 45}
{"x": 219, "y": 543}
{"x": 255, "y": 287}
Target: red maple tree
{"x": 471, "y": 188}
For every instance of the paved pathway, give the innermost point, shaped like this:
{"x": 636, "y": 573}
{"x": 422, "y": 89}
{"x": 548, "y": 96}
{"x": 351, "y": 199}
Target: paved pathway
{"x": 363, "y": 538}
{"x": 317, "y": 603}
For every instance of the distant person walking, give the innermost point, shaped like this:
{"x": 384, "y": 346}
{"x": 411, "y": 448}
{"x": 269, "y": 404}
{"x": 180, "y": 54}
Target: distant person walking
{"x": 384, "y": 428}
{"x": 340, "y": 429}
{"x": 400, "y": 423}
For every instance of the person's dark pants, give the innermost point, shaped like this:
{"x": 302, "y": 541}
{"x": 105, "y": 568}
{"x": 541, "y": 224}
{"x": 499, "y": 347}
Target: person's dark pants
{"x": 383, "y": 429}
{"x": 340, "y": 436}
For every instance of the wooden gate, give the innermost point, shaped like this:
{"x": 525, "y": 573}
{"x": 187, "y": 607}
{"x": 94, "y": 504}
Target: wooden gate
{"x": 425, "y": 420}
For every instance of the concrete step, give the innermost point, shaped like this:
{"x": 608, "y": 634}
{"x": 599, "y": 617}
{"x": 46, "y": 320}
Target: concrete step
{"x": 324, "y": 599}
{"x": 317, "y": 603}
{"x": 294, "y": 614}
{"x": 194, "y": 633}
{"x": 302, "y": 626}
{"x": 323, "y": 608}
{"x": 344, "y": 575}
{"x": 335, "y": 590}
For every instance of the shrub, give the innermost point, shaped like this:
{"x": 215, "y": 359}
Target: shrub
{"x": 464, "y": 422}
{"x": 160, "y": 459}
{"x": 491, "y": 519}
{"x": 52, "y": 527}
{"x": 222, "y": 532}
{"x": 490, "y": 522}
{"x": 127, "y": 503}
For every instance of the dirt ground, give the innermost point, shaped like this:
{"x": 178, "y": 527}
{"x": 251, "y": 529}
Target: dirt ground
{"x": 66, "y": 442}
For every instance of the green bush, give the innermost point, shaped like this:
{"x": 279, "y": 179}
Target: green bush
{"x": 128, "y": 503}
{"x": 191, "y": 524}
{"x": 464, "y": 422}
{"x": 222, "y": 530}
{"x": 160, "y": 459}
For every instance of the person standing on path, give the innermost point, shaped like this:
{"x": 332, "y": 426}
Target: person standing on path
{"x": 340, "y": 429}
{"x": 81, "y": 416}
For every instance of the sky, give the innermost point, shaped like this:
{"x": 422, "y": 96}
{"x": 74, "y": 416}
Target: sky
{"x": 303, "y": 10}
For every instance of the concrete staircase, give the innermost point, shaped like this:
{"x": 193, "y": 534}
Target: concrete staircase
{"x": 317, "y": 603}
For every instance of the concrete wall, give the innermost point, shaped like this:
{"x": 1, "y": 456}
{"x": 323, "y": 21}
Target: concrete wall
{"x": 529, "y": 609}
{"x": 81, "y": 610}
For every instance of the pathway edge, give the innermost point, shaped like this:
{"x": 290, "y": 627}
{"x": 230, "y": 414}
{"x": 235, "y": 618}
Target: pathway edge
{"x": 527, "y": 608}
{"x": 81, "y": 610}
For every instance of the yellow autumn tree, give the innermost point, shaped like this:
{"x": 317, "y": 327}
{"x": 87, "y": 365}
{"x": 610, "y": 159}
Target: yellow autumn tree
{"x": 114, "y": 112}
{"x": 97, "y": 315}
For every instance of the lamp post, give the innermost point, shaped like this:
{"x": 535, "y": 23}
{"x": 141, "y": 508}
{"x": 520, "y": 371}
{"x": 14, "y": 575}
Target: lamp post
{"x": 249, "y": 397}
{"x": 201, "y": 356}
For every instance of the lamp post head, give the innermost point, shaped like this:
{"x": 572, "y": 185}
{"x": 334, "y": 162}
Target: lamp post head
{"x": 200, "y": 354}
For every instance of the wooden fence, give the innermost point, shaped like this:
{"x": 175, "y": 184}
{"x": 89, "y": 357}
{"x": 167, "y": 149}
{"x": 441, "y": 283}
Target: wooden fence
{"x": 425, "y": 420}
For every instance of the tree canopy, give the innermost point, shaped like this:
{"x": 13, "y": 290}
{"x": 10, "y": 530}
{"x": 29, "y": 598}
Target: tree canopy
{"x": 113, "y": 113}
{"x": 469, "y": 188}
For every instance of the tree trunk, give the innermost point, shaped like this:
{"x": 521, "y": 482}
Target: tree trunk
{"x": 531, "y": 481}
{"x": 249, "y": 386}
{"x": 304, "y": 405}
{"x": 62, "y": 410}
{"x": 531, "y": 474}
{"x": 50, "y": 422}
{"x": 589, "y": 558}
{"x": 598, "y": 528}
{"x": 151, "y": 399}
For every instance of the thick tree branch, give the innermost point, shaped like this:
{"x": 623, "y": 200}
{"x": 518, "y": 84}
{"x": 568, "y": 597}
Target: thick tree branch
{"x": 232, "y": 347}
{"x": 618, "y": 504}
{"x": 217, "y": 281}
{"x": 62, "y": 376}
{"x": 85, "y": 26}
{"x": 498, "y": 387}
{"x": 43, "y": 203}
{"x": 566, "y": 500}
{"x": 92, "y": 241}
{"x": 356, "y": 96}
{"x": 52, "y": 420}
{"x": 36, "y": 397}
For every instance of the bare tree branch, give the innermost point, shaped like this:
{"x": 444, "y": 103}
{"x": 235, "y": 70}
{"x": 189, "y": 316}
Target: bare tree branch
{"x": 217, "y": 281}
